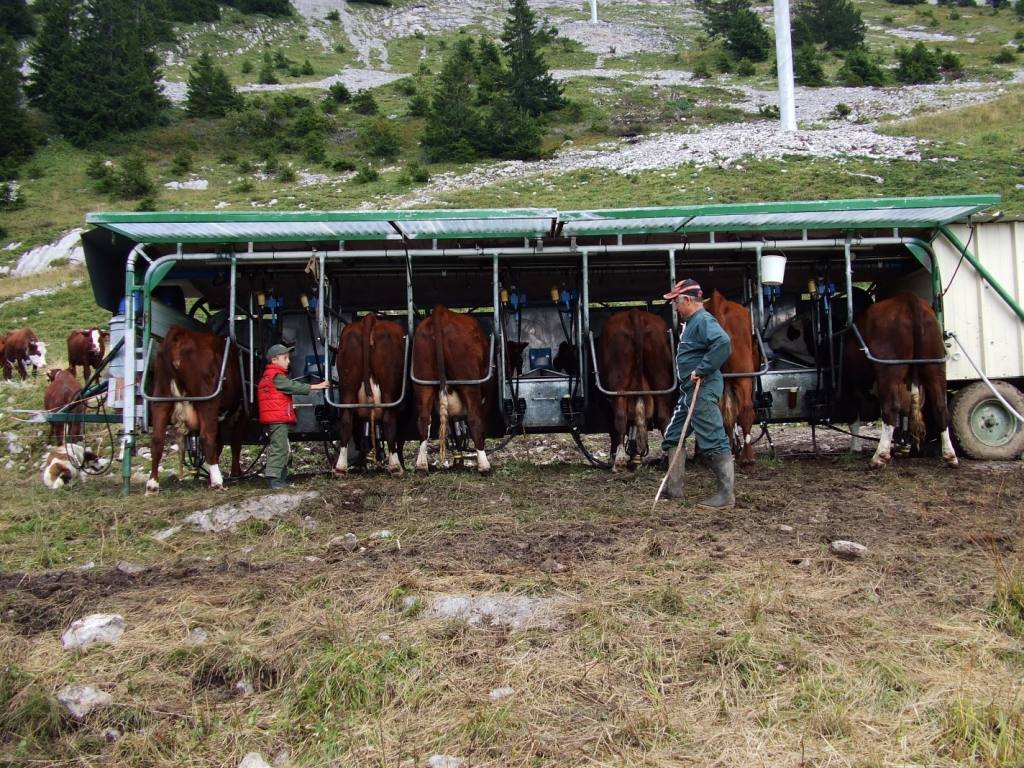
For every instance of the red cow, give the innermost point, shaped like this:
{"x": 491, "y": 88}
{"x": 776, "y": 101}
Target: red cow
{"x": 449, "y": 345}
{"x": 188, "y": 364}
{"x": 63, "y": 390}
{"x": 738, "y": 397}
{"x": 86, "y": 348}
{"x": 901, "y": 328}
{"x": 634, "y": 355}
{"x": 23, "y": 347}
{"x": 371, "y": 365}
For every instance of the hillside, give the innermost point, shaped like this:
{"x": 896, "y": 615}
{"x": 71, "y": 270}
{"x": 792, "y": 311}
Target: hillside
{"x": 639, "y": 128}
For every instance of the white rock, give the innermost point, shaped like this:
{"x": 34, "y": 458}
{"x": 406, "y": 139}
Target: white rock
{"x": 348, "y": 542}
{"x": 848, "y": 548}
{"x": 94, "y": 629}
{"x": 384, "y": 637}
{"x": 166, "y": 533}
{"x": 194, "y": 184}
{"x": 445, "y": 761}
{"x": 130, "y": 569}
{"x": 253, "y": 760}
{"x": 785, "y": 528}
{"x": 197, "y": 636}
{"x": 80, "y": 700}
{"x": 501, "y": 611}
{"x": 38, "y": 259}
{"x": 227, "y": 517}
{"x": 500, "y": 694}
{"x": 309, "y": 524}
{"x": 88, "y": 566}
{"x": 244, "y": 688}
{"x": 110, "y": 735}
{"x": 382, "y": 534}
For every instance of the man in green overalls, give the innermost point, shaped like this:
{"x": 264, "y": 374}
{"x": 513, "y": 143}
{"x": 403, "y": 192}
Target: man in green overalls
{"x": 277, "y": 411}
{"x": 703, "y": 349}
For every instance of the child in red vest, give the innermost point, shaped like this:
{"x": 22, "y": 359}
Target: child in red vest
{"x": 277, "y": 412}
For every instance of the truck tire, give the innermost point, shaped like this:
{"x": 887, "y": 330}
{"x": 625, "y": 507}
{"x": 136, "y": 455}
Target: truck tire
{"x": 982, "y": 425}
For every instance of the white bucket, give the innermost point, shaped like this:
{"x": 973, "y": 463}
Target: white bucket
{"x": 773, "y": 269}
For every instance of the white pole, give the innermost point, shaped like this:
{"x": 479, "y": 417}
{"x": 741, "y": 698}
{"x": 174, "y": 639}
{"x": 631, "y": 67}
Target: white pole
{"x": 784, "y": 62}
{"x": 593, "y": 11}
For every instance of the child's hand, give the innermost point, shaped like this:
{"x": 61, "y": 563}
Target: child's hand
{"x": 321, "y": 385}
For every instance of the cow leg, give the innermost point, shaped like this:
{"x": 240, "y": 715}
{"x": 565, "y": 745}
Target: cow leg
{"x": 22, "y": 369}
{"x": 747, "y": 417}
{"x": 890, "y": 380}
{"x": 474, "y": 418}
{"x": 161, "y": 413}
{"x": 209, "y": 429}
{"x": 618, "y": 432}
{"x": 347, "y": 419}
{"x": 425, "y": 397}
{"x": 935, "y": 400}
{"x": 389, "y": 426}
{"x": 8, "y": 370}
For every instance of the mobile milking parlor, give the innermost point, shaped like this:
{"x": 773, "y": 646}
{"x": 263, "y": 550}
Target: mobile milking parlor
{"x": 548, "y": 279}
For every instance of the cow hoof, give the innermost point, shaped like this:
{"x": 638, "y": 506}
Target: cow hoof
{"x": 878, "y": 462}
{"x": 217, "y": 487}
{"x": 483, "y": 471}
{"x": 152, "y": 486}
{"x": 951, "y": 461}
{"x": 395, "y": 471}
{"x": 340, "y": 472}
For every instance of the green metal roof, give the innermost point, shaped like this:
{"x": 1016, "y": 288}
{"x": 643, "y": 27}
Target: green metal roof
{"x": 311, "y": 226}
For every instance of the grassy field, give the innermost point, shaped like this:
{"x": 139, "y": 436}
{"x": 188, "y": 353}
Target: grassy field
{"x": 673, "y": 638}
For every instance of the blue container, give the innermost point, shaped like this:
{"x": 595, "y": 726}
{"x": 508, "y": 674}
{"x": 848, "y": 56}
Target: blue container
{"x": 138, "y": 304}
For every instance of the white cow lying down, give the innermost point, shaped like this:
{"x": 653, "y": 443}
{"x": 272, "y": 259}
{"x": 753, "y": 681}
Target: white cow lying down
{"x": 63, "y": 462}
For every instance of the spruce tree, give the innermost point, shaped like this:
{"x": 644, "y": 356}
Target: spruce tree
{"x": 453, "y": 126}
{"x": 836, "y": 23}
{"x": 15, "y": 136}
{"x": 530, "y": 84}
{"x": 738, "y": 25}
{"x": 95, "y": 71}
{"x": 15, "y": 19}
{"x": 210, "y": 93}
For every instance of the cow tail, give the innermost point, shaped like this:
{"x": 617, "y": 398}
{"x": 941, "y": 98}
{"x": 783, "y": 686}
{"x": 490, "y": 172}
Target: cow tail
{"x": 730, "y": 413}
{"x": 640, "y": 407}
{"x": 368, "y": 328}
{"x": 921, "y": 324}
{"x": 442, "y": 385}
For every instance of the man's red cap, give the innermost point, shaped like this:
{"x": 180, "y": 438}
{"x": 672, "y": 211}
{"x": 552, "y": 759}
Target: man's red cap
{"x": 689, "y": 287}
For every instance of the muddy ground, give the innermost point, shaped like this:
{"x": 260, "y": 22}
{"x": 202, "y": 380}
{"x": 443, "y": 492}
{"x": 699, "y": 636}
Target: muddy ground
{"x": 688, "y": 637}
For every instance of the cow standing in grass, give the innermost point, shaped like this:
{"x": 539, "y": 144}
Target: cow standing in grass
{"x": 23, "y": 348}
{"x": 86, "y": 347}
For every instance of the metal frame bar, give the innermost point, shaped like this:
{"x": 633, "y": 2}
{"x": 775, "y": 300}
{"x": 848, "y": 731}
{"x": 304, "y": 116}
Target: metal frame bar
{"x": 456, "y": 382}
{"x": 764, "y": 363}
{"x": 867, "y": 352}
{"x": 597, "y": 374}
{"x": 353, "y": 406}
{"x": 183, "y": 399}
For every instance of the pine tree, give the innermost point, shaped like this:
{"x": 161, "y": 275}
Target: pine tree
{"x": 530, "y": 84}
{"x": 453, "y": 126}
{"x": 210, "y": 93}
{"x": 95, "y": 72}
{"x": 738, "y": 25}
{"x": 15, "y": 19}
{"x": 15, "y": 136}
{"x": 836, "y": 23}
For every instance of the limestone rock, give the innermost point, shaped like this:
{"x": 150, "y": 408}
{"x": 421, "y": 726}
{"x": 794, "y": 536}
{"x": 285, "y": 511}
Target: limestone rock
{"x": 445, "y": 761}
{"x": 501, "y": 611}
{"x": 80, "y": 700}
{"x": 849, "y": 549}
{"x": 500, "y": 694}
{"x": 253, "y": 760}
{"x": 94, "y": 629}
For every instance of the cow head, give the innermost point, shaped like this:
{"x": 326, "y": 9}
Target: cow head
{"x": 52, "y": 374}
{"x": 37, "y": 354}
{"x": 94, "y": 341}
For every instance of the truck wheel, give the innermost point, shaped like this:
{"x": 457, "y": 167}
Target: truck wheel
{"x": 983, "y": 427}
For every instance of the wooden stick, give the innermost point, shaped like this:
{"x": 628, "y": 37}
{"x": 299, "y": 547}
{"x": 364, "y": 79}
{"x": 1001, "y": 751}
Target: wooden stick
{"x": 682, "y": 441}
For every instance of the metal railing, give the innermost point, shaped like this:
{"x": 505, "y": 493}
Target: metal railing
{"x": 765, "y": 363}
{"x": 867, "y": 352}
{"x": 182, "y": 398}
{"x": 351, "y": 406}
{"x": 639, "y": 392}
{"x": 456, "y": 382}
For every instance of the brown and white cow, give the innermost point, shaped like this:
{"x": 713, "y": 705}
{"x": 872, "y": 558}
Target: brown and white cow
{"x": 188, "y": 364}
{"x": 634, "y": 355}
{"x": 63, "y": 390}
{"x": 452, "y": 346}
{"x": 738, "y": 397}
{"x": 371, "y": 364}
{"x": 23, "y": 348}
{"x": 86, "y": 347}
{"x": 66, "y": 463}
{"x": 912, "y": 397}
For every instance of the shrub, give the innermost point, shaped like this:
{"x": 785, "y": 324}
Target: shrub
{"x": 954, "y": 15}
{"x": 342, "y": 165}
{"x": 365, "y": 104}
{"x": 861, "y": 68}
{"x": 147, "y": 204}
{"x": 246, "y": 67}
{"x": 286, "y": 174}
{"x": 917, "y": 65}
{"x": 380, "y": 138}
{"x": 295, "y": 71}
{"x": 314, "y": 150}
{"x": 307, "y": 68}
{"x": 836, "y": 23}
{"x": 417, "y": 173}
{"x": 340, "y": 93}
{"x": 333, "y": 16}
{"x": 701, "y": 70}
{"x": 267, "y": 75}
{"x": 132, "y": 180}
{"x": 745, "y": 68}
{"x": 1005, "y": 56}
{"x": 419, "y": 105}
{"x": 406, "y": 86}
{"x": 366, "y": 174}
{"x": 181, "y": 163}
{"x": 769, "y": 111}
{"x": 951, "y": 64}
{"x": 841, "y": 111}
{"x": 807, "y": 68}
